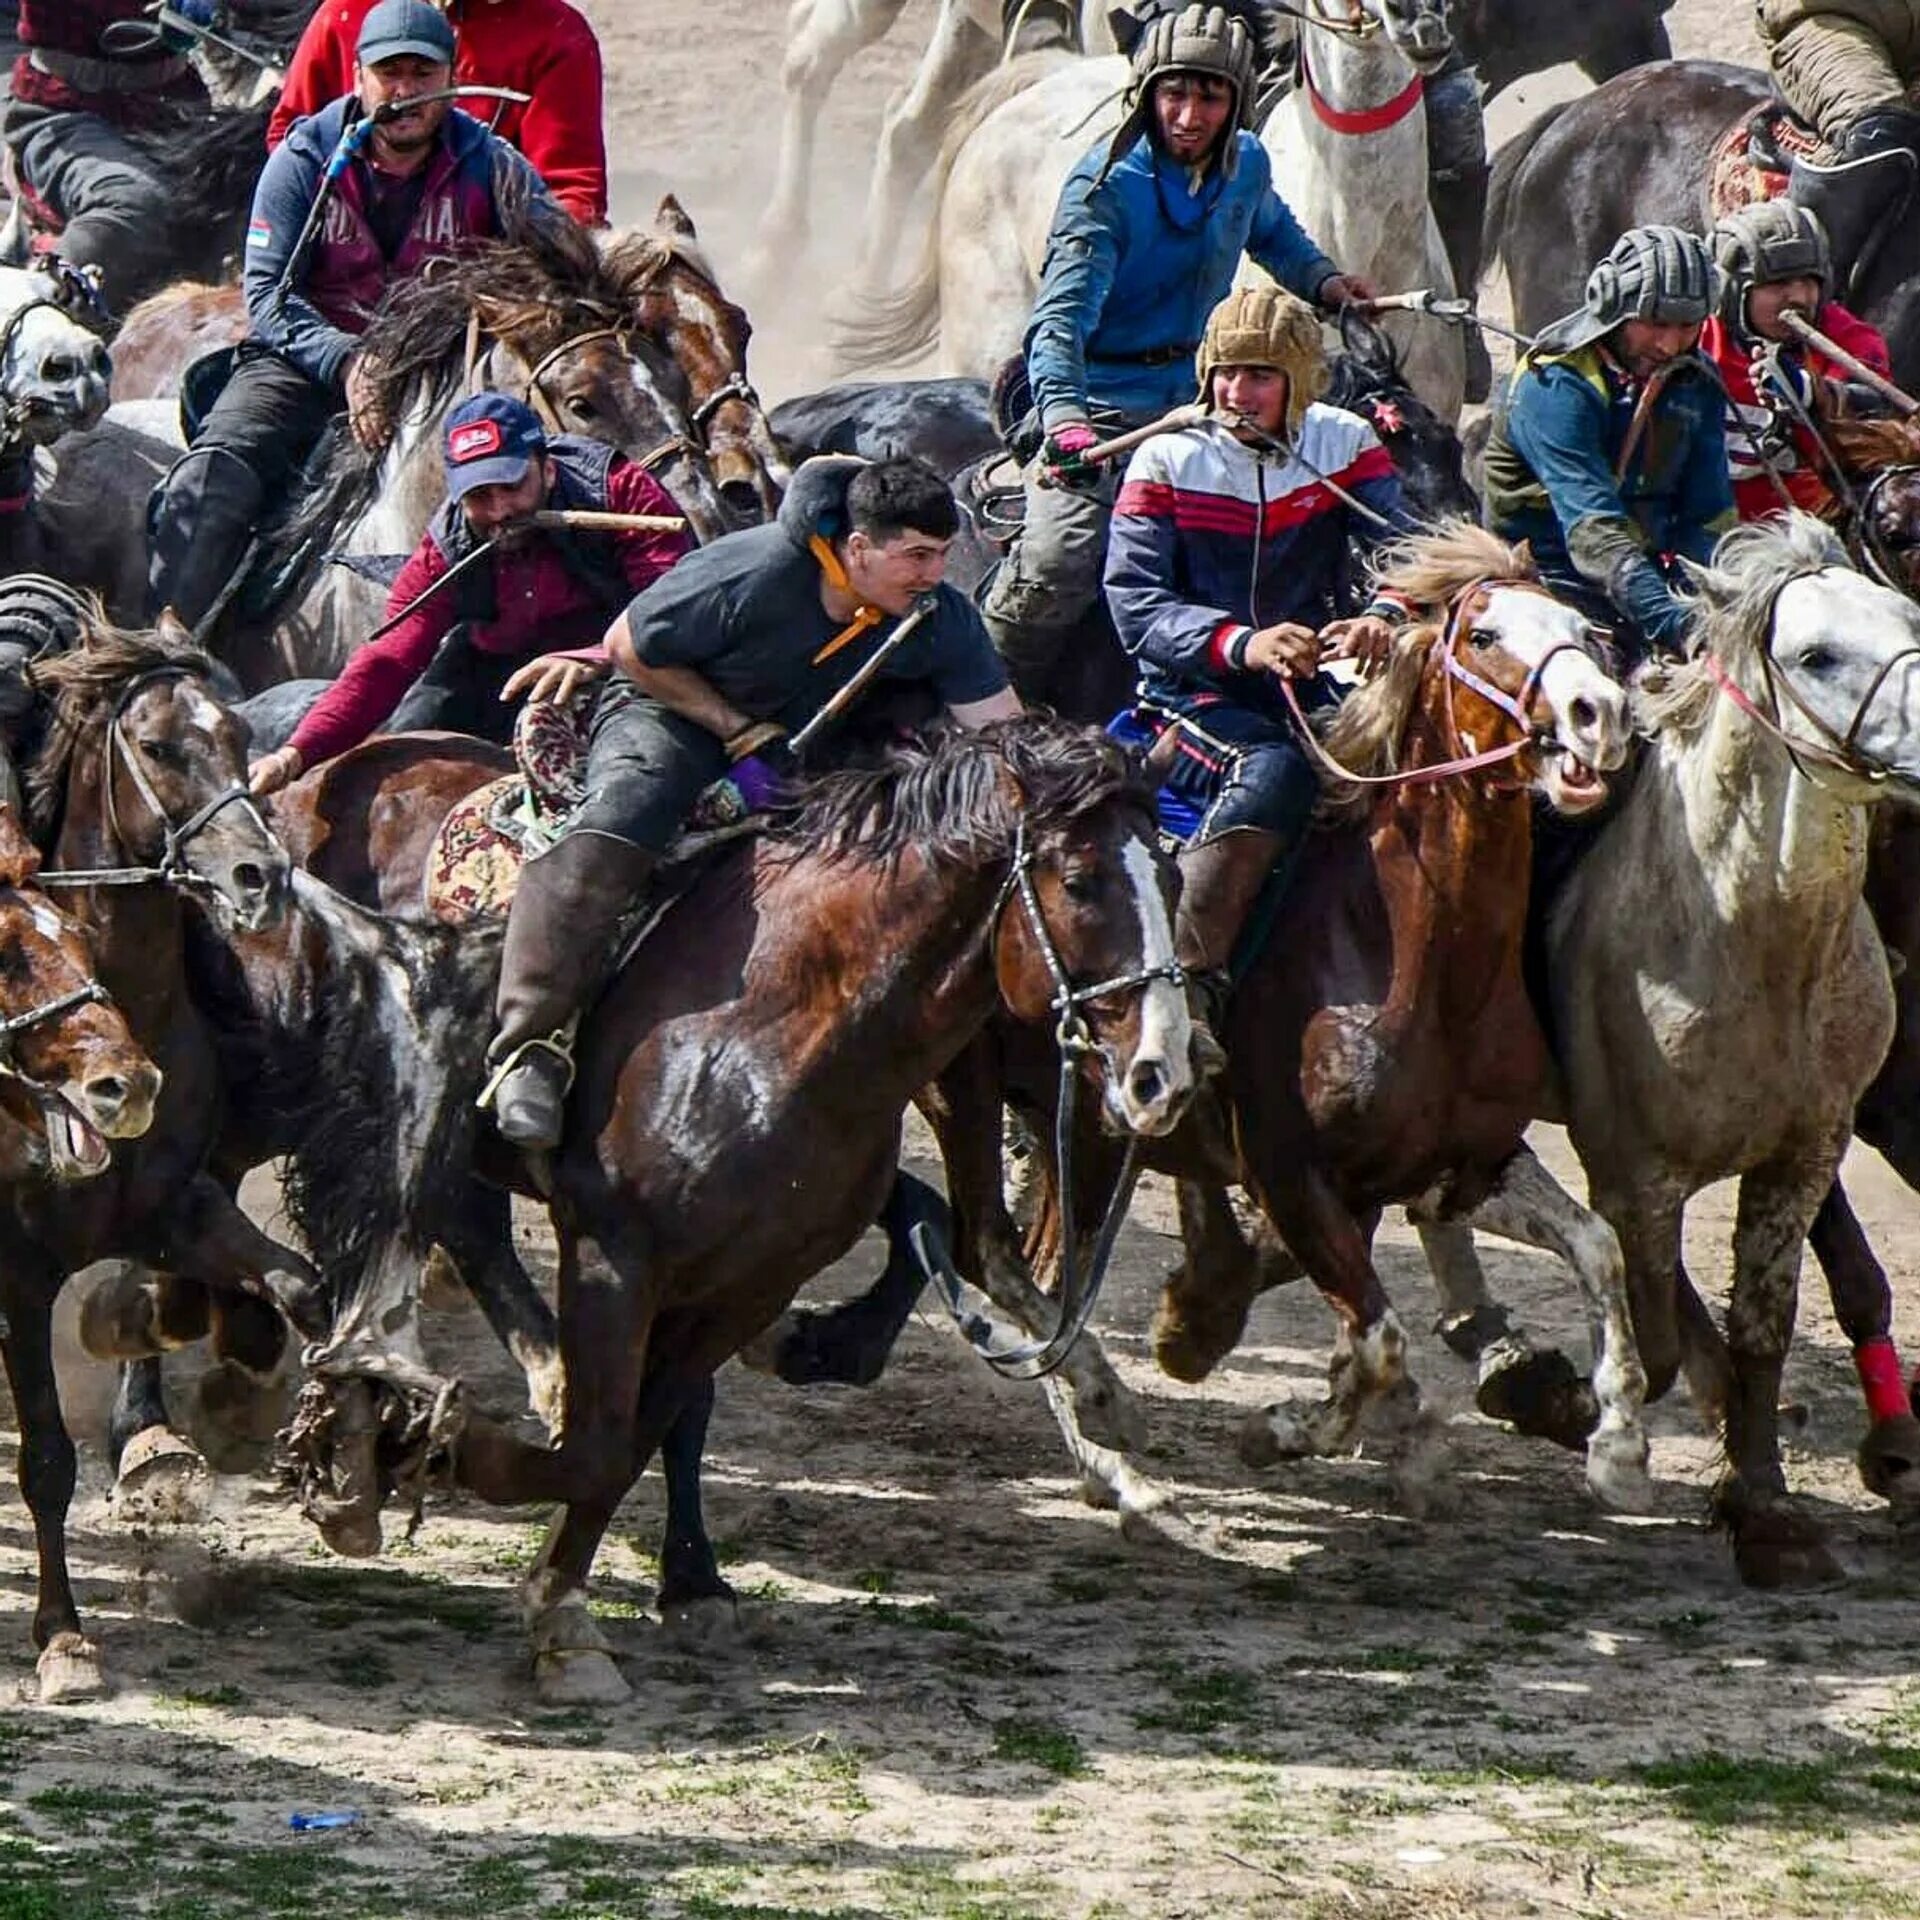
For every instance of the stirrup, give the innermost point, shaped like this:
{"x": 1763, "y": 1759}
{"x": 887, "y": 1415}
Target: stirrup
{"x": 559, "y": 1043}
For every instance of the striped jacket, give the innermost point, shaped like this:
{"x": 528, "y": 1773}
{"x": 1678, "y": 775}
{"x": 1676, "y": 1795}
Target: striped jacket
{"x": 1211, "y": 540}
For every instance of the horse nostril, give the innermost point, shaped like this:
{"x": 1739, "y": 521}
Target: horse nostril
{"x": 107, "y": 1094}
{"x": 251, "y": 879}
{"x": 1585, "y": 716}
{"x": 1146, "y": 1084}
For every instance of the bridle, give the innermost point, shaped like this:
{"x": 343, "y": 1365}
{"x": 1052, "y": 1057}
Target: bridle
{"x": 1834, "y": 752}
{"x": 14, "y": 412}
{"x": 1074, "y": 1040}
{"x": 1447, "y": 644}
{"x": 1873, "y": 549}
{"x": 88, "y": 993}
{"x": 674, "y": 447}
{"x": 172, "y": 869}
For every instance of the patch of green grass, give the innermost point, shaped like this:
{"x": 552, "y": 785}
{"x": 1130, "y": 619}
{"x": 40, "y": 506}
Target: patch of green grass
{"x": 1202, "y": 1701}
{"x": 928, "y": 1617}
{"x": 875, "y": 1580}
{"x": 1727, "y": 1790}
{"x": 367, "y": 1669}
{"x": 1038, "y": 1743}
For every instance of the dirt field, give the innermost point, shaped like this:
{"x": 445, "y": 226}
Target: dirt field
{"x": 956, "y": 1691}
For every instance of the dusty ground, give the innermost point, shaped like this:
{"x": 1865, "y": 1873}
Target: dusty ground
{"x": 957, "y": 1691}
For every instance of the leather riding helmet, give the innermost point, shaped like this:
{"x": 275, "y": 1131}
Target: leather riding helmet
{"x": 1662, "y": 274}
{"x": 1267, "y": 327}
{"x": 1195, "y": 39}
{"x": 1768, "y": 241}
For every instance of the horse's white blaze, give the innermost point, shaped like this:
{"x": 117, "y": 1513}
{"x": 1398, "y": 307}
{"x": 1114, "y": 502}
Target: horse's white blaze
{"x": 1166, "y": 1023}
{"x": 1590, "y": 710}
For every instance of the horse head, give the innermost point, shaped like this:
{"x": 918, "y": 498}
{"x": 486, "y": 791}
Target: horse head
{"x": 1815, "y": 653}
{"x": 1500, "y": 668}
{"x": 72, "y": 1077}
{"x": 1426, "y": 452}
{"x": 1084, "y": 939}
{"x": 54, "y": 370}
{"x": 674, "y": 296}
{"x": 145, "y": 770}
{"x": 1418, "y": 28}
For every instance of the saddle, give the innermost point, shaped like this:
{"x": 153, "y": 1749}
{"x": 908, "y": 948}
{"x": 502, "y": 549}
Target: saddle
{"x": 1753, "y": 159}
{"x": 473, "y": 866}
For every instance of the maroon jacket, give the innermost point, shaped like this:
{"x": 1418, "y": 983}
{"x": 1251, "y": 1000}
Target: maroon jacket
{"x": 72, "y": 28}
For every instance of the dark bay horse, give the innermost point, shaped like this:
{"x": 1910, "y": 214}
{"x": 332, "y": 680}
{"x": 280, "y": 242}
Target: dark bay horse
{"x": 138, "y": 793}
{"x": 1637, "y": 150}
{"x": 837, "y": 969}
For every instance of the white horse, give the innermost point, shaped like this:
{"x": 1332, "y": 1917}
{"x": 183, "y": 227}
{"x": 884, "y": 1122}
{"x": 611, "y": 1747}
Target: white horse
{"x": 1017, "y": 135}
{"x": 1719, "y": 992}
{"x": 822, "y": 36}
{"x": 54, "y": 371}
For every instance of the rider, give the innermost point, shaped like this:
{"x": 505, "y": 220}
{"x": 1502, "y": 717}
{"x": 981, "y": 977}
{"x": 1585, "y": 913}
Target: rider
{"x": 718, "y": 663}
{"x": 425, "y": 184}
{"x": 1226, "y": 574}
{"x": 527, "y": 621}
{"x": 69, "y": 124}
{"x": 540, "y": 47}
{"x": 1847, "y": 66}
{"x": 1609, "y": 455}
{"x": 1144, "y": 244}
{"x": 1774, "y": 259}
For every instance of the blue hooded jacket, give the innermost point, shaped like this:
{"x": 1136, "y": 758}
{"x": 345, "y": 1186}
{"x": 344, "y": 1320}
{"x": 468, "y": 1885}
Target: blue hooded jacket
{"x": 1137, "y": 261}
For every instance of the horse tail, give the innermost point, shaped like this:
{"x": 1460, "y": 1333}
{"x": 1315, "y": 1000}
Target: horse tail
{"x": 876, "y": 328}
{"x": 1507, "y": 166}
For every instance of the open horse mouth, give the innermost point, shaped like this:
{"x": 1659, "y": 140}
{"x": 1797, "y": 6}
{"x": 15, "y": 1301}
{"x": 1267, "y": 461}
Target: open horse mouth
{"x": 1572, "y": 785}
{"x": 76, "y": 1149}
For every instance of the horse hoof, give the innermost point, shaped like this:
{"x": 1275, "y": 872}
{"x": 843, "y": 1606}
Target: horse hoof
{"x": 117, "y": 1317}
{"x": 69, "y": 1669}
{"x": 1538, "y": 1393}
{"x": 1890, "y": 1460}
{"x": 1468, "y": 1335}
{"x": 1192, "y": 1336}
{"x": 701, "y": 1621}
{"x": 1617, "y": 1470}
{"x": 1272, "y": 1435}
{"x": 353, "y": 1536}
{"x": 806, "y": 1347}
{"x": 163, "y": 1480}
{"x": 1774, "y": 1547}
{"x": 578, "y": 1677}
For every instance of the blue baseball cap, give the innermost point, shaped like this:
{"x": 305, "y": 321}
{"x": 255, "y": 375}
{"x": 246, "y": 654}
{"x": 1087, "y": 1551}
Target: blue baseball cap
{"x": 490, "y": 441}
{"x": 395, "y": 27}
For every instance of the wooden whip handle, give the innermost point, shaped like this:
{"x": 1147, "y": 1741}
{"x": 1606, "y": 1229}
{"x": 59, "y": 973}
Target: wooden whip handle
{"x": 609, "y": 522}
{"x": 1804, "y": 329}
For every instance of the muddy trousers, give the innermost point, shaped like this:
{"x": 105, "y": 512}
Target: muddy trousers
{"x": 255, "y": 440}
{"x": 117, "y": 212}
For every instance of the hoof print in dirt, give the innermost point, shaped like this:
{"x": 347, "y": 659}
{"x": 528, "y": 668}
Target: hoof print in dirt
{"x": 69, "y": 1670}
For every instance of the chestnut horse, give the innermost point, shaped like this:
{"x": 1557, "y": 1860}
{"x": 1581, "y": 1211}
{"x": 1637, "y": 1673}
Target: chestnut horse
{"x": 837, "y": 968}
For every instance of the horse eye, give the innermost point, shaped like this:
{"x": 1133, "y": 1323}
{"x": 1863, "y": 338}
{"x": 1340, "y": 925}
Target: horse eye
{"x": 166, "y": 753}
{"x": 1082, "y": 886}
{"x": 581, "y": 409}
{"x": 1816, "y": 658}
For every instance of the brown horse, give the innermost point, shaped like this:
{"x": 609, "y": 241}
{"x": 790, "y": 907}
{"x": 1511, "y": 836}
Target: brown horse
{"x": 1381, "y": 1046}
{"x": 139, "y": 792}
{"x": 768, "y": 1038}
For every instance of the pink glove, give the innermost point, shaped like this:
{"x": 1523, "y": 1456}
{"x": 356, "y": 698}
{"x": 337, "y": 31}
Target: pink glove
{"x": 1063, "y": 450}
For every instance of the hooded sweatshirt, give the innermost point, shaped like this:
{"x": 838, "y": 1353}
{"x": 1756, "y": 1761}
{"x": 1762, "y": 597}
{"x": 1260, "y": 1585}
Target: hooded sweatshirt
{"x": 745, "y": 614}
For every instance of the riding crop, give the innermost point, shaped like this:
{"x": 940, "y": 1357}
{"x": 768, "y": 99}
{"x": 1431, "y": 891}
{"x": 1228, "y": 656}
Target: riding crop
{"x": 870, "y": 666}
{"x": 1456, "y": 313}
{"x": 1804, "y": 329}
{"x": 607, "y": 522}
{"x": 128, "y": 38}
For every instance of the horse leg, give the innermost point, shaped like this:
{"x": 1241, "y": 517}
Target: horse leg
{"x": 1529, "y": 1205}
{"x": 478, "y": 1233}
{"x": 1863, "y": 1304}
{"x": 1647, "y": 1218}
{"x": 958, "y": 54}
{"x": 1632, "y": 36}
{"x": 69, "y": 1663}
{"x": 696, "y": 1606}
{"x": 222, "y": 1248}
{"x": 1775, "y": 1544}
{"x": 243, "y": 1401}
{"x": 1205, "y": 1300}
{"x": 135, "y": 1313}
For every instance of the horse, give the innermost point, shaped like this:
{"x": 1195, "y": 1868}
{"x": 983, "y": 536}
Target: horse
{"x": 1012, "y": 867}
{"x": 1721, "y": 997}
{"x": 1012, "y": 141}
{"x": 1637, "y": 150}
{"x": 138, "y": 794}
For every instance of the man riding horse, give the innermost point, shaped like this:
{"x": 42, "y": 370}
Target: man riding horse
{"x": 525, "y": 622}
{"x": 1847, "y": 67}
{"x": 544, "y": 48}
{"x": 1609, "y": 457}
{"x": 75, "y": 105}
{"x": 325, "y": 244}
{"x": 1775, "y": 262}
{"x": 1226, "y": 575}
{"x": 1145, "y": 241}
{"x": 720, "y": 662}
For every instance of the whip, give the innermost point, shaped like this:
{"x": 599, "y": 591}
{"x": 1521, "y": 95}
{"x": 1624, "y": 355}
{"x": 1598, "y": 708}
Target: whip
{"x": 1192, "y": 415}
{"x": 1455, "y": 313}
{"x": 1804, "y": 329}
{"x": 870, "y": 666}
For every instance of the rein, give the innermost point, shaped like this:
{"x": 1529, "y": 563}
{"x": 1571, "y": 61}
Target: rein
{"x": 675, "y": 446}
{"x": 1073, "y": 1038}
{"x": 172, "y": 870}
{"x": 15, "y": 413}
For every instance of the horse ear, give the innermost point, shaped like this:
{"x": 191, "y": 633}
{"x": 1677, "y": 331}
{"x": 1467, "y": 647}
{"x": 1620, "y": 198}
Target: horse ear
{"x": 1126, "y": 29}
{"x": 172, "y": 631}
{"x": 672, "y": 218}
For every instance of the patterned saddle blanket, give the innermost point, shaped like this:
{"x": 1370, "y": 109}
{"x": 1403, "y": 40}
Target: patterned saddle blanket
{"x": 474, "y": 864}
{"x": 1753, "y": 157}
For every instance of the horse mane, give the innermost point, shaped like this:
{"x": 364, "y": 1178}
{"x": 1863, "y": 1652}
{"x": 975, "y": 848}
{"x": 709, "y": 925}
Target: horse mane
{"x": 79, "y": 688}
{"x": 216, "y": 156}
{"x": 1866, "y": 446}
{"x": 958, "y": 797}
{"x": 1430, "y": 569}
{"x": 1732, "y": 605}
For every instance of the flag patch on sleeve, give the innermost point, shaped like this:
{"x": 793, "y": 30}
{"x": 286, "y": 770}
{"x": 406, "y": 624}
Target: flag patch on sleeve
{"x": 259, "y": 234}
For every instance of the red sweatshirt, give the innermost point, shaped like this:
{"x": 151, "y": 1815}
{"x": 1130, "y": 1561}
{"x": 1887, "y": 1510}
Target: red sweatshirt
{"x": 1802, "y": 470}
{"x": 542, "y": 47}
{"x": 541, "y": 606}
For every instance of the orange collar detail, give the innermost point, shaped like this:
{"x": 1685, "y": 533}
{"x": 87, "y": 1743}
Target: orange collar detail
{"x": 836, "y": 577}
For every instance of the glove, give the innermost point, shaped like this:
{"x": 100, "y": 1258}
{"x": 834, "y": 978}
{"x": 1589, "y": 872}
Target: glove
{"x": 1774, "y": 373}
{"x": 1062, "y": 452}
{"x": 763, "y": 768}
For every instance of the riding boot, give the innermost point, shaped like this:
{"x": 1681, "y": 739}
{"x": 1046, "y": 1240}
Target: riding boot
{"x": 1860, "y": 196}
{"x": 567, "y": 914}
{"x": 201, "y": 523}
{"x": 1459, "y": 201}
{"x": 1219, "y": 882}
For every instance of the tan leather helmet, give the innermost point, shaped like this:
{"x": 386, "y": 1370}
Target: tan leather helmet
{"x": 1267, "y": 326}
